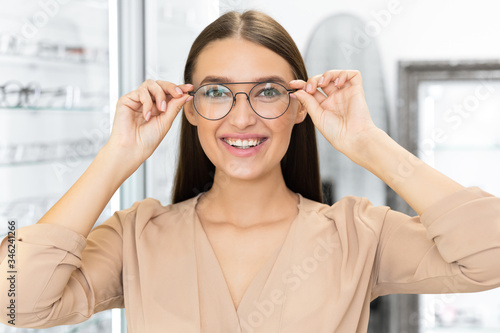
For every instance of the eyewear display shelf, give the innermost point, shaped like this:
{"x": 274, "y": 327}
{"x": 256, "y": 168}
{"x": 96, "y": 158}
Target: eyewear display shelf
{"x": 54, "y": 116}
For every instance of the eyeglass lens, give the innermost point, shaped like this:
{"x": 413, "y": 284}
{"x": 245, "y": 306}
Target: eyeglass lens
{"x": 268, "y": 100}
{"x": 14, "y": 94}
{"x": 11, "y": 93}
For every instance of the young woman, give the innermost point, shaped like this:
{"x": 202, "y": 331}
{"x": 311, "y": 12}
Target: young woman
{"x": 256, "y": 251}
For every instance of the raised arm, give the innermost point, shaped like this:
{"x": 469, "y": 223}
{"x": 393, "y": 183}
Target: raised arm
{"x": 65, "y": 271}
{"x": 342, "y": 116}
{"x": 454, "y": 243}
{"x": 133, "y": 139}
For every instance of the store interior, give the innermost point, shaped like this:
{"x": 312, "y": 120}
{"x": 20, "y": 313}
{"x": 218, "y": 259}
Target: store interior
{"x": 431, "y": 74}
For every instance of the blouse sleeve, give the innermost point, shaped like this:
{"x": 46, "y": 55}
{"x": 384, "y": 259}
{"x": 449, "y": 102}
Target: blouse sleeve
{"x": 62, "y": 277}
{"x": 453, "y": 247}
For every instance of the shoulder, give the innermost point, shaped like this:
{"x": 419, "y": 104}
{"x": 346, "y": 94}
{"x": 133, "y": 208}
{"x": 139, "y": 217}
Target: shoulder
{"x": 151, "y": 211}
{"x": 352, "y": 211}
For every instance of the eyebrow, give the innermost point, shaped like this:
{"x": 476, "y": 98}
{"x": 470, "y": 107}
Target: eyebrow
{"x": 225, "y": 79}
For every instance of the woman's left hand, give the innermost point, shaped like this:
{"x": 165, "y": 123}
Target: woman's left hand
{"x": 342, "y": 115}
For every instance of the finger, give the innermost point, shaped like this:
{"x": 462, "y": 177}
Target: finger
{"x": 312, "y": 84}
{"x": 329, "y": 76}
{"x": 332, "y": 75}
{"x": 352, "y": 77}
{"x": 337, "y": 79}
{"x": 174, "y": 90}
{"x": 310, "y": 104}
{"x": 330, "y": 81}
{"x": 186, "y": 87}
{"x": 297, "y": 84}
{"x": 343, "y": 77}
{"x": 171, "y": 88}
{"x": 174, "y": 106}
{"x": 131, "y": 100}
{"x": 300, "y": 84}
{"x": 146, "y": 101}
{"x": 158, "y": 93}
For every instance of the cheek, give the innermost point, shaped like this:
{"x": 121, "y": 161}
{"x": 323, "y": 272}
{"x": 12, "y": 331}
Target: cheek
{"x": 206, "y": 135}
{"x": 284, "y": 124}
{"x": 282, "y": 131}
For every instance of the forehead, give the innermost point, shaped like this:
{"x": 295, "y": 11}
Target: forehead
{"x": 240, "y": 60}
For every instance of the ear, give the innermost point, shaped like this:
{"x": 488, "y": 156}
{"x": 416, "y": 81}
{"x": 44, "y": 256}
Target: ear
{"x": 189, "y": 111}
{"x": 301, "y": 113}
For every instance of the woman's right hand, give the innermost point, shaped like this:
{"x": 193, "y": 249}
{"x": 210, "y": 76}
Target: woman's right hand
{"x": 144, "y": 116}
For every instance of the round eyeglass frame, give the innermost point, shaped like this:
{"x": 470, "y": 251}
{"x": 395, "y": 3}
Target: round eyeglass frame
{"x": 289, "y": 91}
{"x": 26, "y": 95}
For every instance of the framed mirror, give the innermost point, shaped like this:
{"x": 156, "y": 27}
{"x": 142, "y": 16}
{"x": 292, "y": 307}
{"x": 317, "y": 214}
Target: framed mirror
{"x": 449, "y": 117}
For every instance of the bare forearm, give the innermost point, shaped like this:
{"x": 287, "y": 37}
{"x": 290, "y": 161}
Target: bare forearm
{"x": 416, "y": 182}
{"x": 80, "y": 207}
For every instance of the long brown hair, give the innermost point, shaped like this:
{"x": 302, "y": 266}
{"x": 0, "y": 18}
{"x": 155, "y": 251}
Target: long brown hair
{"x": 300, "y": 166}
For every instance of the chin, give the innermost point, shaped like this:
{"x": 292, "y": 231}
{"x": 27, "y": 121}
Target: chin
{"x": 242, "y": 172}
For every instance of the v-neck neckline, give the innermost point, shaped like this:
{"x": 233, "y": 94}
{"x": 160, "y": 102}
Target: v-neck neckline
{"x": 259, "y": 280}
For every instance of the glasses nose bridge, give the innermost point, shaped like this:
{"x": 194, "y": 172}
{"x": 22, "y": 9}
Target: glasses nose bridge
{"x": 240, "y": 92}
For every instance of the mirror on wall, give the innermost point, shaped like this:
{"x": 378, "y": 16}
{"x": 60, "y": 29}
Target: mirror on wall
{"x": 330, "y": 47}
{"x": 449, "y": 117}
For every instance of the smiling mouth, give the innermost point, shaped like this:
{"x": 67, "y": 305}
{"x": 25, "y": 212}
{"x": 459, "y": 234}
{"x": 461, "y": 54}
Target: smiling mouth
{"x": 244, "y": 144}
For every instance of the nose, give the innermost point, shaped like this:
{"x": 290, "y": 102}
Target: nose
{"x": 241, "y": 114}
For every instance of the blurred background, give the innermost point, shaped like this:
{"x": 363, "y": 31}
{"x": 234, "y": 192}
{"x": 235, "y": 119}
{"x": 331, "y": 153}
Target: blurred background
{"x": 431, "y": 73}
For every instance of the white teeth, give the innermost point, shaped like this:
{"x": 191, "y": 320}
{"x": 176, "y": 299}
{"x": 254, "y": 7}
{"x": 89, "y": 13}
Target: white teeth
{"x": 247, "y": 143}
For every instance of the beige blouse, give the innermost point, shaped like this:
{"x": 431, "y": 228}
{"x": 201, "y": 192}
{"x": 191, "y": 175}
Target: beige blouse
{"x": 157, "y": 262}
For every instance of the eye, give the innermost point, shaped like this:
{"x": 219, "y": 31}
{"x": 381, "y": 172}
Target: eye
{"x": 216, "y": 92}
{"x": 269, "y": 92}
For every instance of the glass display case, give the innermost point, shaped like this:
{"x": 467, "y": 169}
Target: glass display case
{"x": 54, "y": 110}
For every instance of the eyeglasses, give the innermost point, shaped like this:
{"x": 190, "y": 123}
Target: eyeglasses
{"x": 13, "y": 93}
{"x": 13, "y": 44}
{"x": 214, "y": 101}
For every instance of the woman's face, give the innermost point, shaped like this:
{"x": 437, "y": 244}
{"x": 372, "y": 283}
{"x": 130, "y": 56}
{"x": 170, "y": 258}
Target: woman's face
{"x": 238, "y": 60}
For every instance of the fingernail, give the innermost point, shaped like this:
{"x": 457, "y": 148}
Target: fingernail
{"x": 293, "y": 96}
{"x": 321, "y": 80}
{"x": 163, "y": 105}
{"x": 308, "y": 87}
{"x": 179, "y": 90}
{"x": 148, "y": 116}
{"x": 190, "y": 98}
{"x": 336, "y": 81}
{"x": 293, "y": 81}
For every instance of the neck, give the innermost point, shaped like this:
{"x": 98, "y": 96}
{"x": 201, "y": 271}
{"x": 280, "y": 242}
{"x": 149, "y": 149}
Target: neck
{"x": 247, "y": 203}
